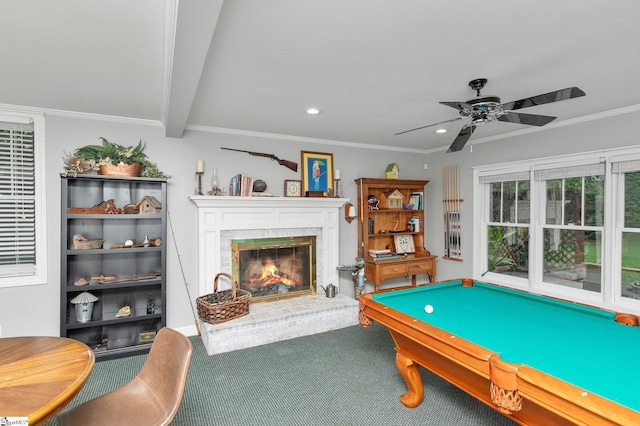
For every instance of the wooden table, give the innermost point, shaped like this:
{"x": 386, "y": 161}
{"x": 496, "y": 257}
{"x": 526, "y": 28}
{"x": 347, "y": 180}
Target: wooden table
{"x": 39, "y": 376}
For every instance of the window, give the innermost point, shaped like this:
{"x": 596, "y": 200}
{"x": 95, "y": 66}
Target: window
{"x": 566, "y": 227}
{"x": 22, "y": 232}
{"x": 627, "y": 172}
{"x": 573, "y": 221}
{"x": 508, "y": 225}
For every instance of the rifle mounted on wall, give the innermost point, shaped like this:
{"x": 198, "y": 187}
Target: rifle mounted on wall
{"x": 289, "y": 164}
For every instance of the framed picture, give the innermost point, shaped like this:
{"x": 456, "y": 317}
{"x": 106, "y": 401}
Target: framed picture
{"x": 317, "y": 172}
{"x": 404, "y": 243}
{"x": 292, "y": 188}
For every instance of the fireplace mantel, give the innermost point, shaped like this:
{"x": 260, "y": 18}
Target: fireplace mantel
{"x": 217, "y": 215}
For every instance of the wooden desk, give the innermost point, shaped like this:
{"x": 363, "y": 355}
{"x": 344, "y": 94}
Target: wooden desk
{"x": 411, "y": 265}
{"x": 39, "y": 376}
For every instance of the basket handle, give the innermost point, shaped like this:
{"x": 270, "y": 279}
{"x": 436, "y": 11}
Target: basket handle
{"x": 234, "y": 283}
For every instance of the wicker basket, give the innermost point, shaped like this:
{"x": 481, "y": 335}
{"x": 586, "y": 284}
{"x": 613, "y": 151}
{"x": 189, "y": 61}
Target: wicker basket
{"x": 224, "y": 305}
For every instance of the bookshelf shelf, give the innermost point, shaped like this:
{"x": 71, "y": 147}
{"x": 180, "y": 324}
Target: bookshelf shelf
{"x": 378, "y": 228}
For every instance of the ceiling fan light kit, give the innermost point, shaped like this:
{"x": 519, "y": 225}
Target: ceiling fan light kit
{"x": 485, "y": 109}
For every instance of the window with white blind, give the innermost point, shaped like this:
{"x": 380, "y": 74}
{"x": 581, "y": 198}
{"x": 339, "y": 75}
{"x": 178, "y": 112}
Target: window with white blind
{"x": 22, "y": 259}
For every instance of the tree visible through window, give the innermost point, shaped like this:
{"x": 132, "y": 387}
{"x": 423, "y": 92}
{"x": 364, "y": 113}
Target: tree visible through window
{"x": 573, "y": 225}
{"x": 508, "y": 230}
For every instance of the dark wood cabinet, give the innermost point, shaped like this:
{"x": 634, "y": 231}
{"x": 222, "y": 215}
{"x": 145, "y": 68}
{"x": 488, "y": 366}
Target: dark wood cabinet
{"x": 391, "y": 217}
{"x": 129, "y": 282}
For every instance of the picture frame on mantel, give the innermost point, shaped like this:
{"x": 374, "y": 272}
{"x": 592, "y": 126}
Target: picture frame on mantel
{"x": 317, "y": 173}
{"x": 292, "y": 188}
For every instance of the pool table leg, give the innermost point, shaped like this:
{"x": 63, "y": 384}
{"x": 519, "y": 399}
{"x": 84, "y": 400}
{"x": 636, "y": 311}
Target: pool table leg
{"x": 411, "y": 374}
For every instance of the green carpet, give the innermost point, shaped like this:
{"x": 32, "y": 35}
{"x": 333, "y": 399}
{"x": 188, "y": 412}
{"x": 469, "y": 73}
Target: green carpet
{"x": 342, "y": 377}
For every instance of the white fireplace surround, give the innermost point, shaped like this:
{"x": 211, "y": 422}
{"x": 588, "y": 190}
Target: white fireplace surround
{"x": 223, "y": 219}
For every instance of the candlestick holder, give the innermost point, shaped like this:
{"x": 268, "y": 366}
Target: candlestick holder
{"x": 336, "y": 188}
{"x": 198, "y": 189}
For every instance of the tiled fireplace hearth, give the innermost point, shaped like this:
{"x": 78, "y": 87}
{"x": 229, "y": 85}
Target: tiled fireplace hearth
{"x": 224, "y": 220}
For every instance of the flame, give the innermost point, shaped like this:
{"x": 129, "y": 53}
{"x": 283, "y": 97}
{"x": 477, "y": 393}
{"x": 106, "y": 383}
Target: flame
{"x": 271, "y": 275}
{"x": 269, "y": 269}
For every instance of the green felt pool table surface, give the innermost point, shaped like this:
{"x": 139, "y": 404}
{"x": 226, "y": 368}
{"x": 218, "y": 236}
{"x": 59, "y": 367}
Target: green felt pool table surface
{"x": 581, "y": 345}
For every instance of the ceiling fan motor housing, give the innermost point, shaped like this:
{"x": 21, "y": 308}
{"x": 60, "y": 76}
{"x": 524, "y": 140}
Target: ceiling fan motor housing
{"x": 484, "y": 103}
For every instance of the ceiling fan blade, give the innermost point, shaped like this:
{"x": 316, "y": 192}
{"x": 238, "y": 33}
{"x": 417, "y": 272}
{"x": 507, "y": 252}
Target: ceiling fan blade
{"x": 558, "y": 95}
{"x": 530, "y": 119}
{"x": 430, "y": 125}
{"x": 462, "y": 138}
{"x": 459, "y": 105}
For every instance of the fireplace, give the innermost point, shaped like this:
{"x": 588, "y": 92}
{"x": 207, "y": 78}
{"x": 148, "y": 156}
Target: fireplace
{"x": 223, "y": 220}
{"x": 275, "y": 268}
{"x": 234, "y": 232}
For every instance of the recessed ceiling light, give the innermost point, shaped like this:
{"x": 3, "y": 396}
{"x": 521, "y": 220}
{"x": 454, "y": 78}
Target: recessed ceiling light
{"x": 441, "y": 131}
{"x": 313, "y": 111}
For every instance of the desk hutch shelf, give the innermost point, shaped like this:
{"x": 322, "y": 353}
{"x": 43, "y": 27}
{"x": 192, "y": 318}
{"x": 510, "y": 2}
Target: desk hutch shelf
{"x": 394, "y": 217}
{"x": 119, "y": 277}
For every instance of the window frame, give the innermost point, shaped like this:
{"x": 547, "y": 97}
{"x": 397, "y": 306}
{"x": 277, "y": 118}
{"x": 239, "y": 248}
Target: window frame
{"x": 39, "y": 275}
{"x": 619, "y": 228}
{"x": 609, "y": 296}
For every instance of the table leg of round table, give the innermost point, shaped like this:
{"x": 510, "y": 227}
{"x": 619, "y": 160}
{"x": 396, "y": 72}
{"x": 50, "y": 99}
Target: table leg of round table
{"x": 411, "y": 374}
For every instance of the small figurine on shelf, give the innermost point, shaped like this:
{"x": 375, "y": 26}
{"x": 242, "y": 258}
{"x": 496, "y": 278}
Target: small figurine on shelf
{"x": 151, "y": 305}
{"x": 373, "y": 202}
{"x": 392, "y": 171}
{"x": 124, "y": 312}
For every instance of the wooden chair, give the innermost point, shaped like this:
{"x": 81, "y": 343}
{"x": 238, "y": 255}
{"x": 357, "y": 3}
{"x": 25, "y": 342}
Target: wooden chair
{"x": 151, "y": 398}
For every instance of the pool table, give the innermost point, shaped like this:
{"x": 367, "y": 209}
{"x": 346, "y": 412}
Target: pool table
{"x": 538, "y": 360}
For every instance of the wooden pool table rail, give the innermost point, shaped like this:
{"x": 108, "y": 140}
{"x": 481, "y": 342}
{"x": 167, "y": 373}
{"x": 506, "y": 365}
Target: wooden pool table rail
{"x": 544, "y": 399}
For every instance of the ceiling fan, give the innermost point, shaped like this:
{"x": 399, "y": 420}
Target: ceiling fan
{"x": 484, "y": 109}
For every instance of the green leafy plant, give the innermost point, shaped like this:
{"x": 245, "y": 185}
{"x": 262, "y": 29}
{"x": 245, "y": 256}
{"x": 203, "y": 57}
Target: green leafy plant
{"x": 151, "y": 171}
{"x": 90, "y": 157}
{"x": 111, "y": 154}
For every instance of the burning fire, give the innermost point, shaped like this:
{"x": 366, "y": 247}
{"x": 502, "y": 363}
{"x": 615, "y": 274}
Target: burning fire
{"x": 271, "y": 275}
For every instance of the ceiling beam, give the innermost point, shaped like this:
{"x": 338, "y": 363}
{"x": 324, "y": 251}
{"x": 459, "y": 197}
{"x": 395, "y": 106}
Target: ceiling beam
{"x": 191, "y": 24}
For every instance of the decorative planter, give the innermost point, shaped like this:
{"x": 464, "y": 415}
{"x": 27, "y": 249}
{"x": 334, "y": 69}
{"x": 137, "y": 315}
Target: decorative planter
{"x": 121, "y": 169}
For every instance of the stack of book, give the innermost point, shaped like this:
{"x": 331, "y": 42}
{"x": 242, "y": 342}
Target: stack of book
{"x": 383, "y": 254}
{"x": 241, "y": 186}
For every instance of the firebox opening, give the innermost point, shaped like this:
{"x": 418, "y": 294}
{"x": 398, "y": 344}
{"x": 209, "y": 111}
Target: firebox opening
{"x": 275, "y": 268}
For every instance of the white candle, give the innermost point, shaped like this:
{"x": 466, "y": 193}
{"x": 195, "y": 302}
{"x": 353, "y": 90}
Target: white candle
{"x": 199, "y": 166}
{"x": 337, "y": 176}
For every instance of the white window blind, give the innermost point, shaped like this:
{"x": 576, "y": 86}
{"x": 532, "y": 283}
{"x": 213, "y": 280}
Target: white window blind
{"x": 17, "y": 200}
{"x": 625, "y": 166}
{"x": 596, "y": 169}
{"x": 506, "y": 177}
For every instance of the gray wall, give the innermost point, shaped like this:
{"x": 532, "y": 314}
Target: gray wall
{"x": 605, "y": 133}
{"x": 34, "y": 310}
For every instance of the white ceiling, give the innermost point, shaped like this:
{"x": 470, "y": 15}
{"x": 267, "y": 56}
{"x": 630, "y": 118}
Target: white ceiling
{"x": 374, "y": 67}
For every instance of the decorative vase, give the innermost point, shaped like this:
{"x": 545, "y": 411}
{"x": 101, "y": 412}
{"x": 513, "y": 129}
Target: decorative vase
{"x": 259, "y": 185}
{"x": 121, "y": 169}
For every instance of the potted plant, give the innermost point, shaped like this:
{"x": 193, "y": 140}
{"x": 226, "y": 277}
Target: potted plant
{"x": 112, "y": 159}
